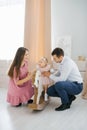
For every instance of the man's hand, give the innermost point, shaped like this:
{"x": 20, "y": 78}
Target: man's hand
{"x": 47, "y": 74}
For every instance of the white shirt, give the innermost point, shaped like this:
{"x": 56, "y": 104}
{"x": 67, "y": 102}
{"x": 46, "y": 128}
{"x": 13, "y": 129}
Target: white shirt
{"x": 67, "y": 71}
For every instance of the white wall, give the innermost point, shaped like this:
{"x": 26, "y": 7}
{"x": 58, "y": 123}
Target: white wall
{"x": 69, "y": 18}
{"x": 4, "y": 66}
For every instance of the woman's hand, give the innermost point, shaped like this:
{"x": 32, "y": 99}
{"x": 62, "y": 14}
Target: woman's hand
{"x": 29, "y": 75}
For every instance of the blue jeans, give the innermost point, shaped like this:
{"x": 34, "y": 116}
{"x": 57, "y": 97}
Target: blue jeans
{"x": 64, "y": 89}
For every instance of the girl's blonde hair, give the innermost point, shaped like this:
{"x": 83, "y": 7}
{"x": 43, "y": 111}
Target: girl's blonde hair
{"x": 44, "y": 59}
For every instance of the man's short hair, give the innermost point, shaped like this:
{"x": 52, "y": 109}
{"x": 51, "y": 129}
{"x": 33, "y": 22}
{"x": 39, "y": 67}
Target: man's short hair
{"x": 58, "y": 52}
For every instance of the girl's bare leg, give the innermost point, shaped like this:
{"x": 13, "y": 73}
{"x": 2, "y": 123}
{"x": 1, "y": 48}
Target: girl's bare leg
{"x": 45, "y": 95}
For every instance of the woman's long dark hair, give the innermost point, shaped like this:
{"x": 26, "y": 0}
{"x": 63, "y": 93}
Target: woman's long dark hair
{"x": 17, "y": 61}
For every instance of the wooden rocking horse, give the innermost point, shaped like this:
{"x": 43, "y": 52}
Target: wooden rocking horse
{"x": 38, "y": 103}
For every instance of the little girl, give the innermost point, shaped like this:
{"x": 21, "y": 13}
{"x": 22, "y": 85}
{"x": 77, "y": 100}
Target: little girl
{"x": 43, "y": 80}
{"x": 20, "y": 88}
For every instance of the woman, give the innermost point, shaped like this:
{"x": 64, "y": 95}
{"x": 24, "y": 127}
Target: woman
{"x": 20, "y": 88}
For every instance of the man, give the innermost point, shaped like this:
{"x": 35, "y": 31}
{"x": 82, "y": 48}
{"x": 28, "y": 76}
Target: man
{"x": 68, "y": 80}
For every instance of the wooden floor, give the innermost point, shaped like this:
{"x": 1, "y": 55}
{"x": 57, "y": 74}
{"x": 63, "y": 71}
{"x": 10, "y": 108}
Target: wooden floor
{"x": 23, "y": 118}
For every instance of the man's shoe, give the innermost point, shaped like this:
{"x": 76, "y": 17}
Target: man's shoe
{"x": 63, "y": 107}
{"x": 71, "y": 98}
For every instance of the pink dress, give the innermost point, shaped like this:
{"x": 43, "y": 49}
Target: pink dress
{"x": 20, "y": 94}
{"x": 45, "y": 80}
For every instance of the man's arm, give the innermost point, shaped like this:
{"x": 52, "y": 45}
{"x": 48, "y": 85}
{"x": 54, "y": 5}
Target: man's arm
{"x": 62, "y": 74}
